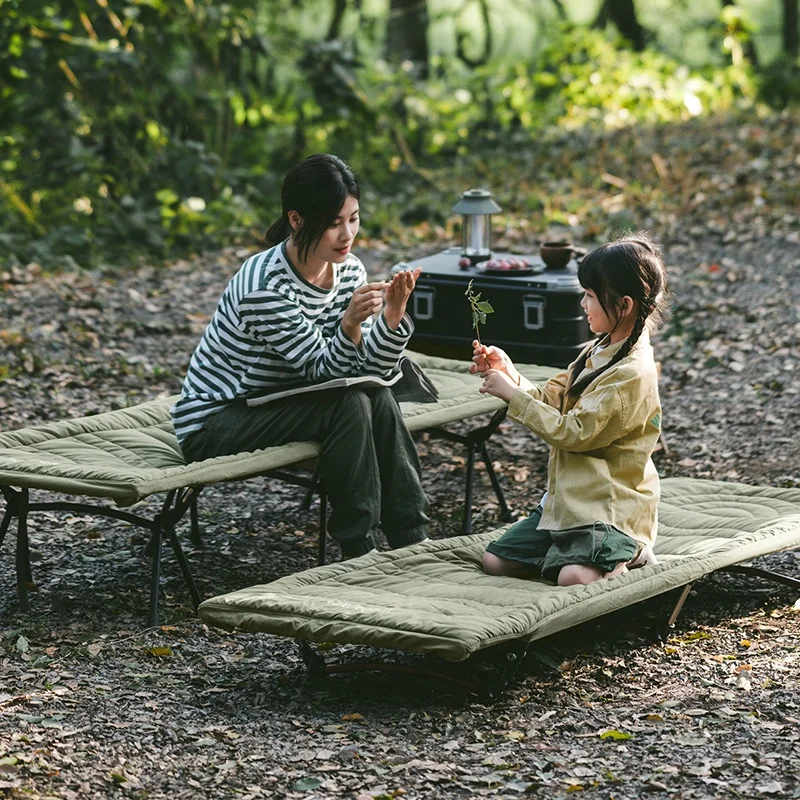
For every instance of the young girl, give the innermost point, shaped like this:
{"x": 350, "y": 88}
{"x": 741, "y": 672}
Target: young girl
{"x": 601, "y": 419}
{"x": 303, "y": 312}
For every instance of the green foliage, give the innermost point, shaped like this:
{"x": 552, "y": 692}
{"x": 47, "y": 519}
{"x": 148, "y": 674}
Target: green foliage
{"x": 479, "y": 309}
{"x": 152, "y": 127}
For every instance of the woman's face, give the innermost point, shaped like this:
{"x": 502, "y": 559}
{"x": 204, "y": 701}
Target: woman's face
{"x": 336, "y": 242}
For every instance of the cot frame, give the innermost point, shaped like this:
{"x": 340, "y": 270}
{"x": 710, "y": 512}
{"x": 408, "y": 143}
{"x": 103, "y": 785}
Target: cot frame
{"x": 510, "y": 656}
{"x": 178, "y": 501}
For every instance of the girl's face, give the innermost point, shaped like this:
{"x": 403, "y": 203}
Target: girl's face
{"x": 599, "y": 321}
{"x": 336, "y": 242}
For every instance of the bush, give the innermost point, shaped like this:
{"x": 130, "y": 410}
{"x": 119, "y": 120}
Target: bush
{"x": 168, "y": 128}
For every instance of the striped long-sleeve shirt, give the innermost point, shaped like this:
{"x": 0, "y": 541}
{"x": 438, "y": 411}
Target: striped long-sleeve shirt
{"x": 272, "y": 329}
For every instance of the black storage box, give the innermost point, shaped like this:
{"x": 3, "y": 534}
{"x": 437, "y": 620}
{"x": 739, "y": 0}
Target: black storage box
{"x": 537, "y": 315}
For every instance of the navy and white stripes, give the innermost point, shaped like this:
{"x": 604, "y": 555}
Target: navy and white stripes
{"x": 273, "y": 329}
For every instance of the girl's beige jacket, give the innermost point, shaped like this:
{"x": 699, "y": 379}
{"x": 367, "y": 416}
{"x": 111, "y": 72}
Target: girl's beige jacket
{"x": 600, "y": 467}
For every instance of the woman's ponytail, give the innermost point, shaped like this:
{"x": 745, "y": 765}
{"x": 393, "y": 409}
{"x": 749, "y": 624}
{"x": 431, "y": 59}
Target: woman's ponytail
{"x": 278, "y": 231}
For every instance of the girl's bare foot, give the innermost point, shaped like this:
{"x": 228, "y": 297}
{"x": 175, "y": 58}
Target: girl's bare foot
{"x": 620, "y": 569}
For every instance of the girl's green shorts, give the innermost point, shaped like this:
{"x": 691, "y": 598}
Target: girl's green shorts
{"x": 601, "y": 546}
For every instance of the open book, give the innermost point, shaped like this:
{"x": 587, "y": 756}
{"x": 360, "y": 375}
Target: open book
{"x": 409, "y": 385}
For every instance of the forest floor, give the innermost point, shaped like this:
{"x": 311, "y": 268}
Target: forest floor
{"x": 95, "y": 705}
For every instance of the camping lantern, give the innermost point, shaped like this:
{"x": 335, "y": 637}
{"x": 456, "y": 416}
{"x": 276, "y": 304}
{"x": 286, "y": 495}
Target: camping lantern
{"x": 476, "y": 206}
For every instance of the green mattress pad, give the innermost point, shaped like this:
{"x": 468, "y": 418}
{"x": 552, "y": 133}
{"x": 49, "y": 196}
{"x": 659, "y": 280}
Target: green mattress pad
{"x": 434, "y": 597}
{"x": 128, "y": 454}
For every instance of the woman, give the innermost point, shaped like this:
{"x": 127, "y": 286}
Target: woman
{"x": 303, "y": 312}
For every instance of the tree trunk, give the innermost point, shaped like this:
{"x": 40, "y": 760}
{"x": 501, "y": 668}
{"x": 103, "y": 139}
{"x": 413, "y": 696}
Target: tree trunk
{"x": 488, "y": 40}
{"x": 791, "y": 44}
{"x": 560, "y": 10}
{"x": 407, "y": 34}
{"x": 623, "y": 14}
{"x": 335, "y": 28}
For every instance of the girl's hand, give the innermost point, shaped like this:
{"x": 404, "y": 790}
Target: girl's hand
{"x": 366, "y": 301}
{"x": 485, "y": 358}
{"x": 398, "y": 290}
{"x": 498, "y": 384}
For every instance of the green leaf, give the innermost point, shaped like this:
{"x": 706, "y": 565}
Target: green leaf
{"x": 616, "y": 735}
{"x": 486, "y": 307}
{"x": 22, "y": 645}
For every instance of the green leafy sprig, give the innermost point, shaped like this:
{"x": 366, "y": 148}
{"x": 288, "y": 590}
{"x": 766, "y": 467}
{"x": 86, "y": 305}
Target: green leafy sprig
{"x": 480, "y": 309}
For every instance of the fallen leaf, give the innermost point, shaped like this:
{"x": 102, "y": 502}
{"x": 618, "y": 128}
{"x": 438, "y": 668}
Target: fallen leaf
{"x": 743, "y": 681}
{"x": 306, "y": 784}
{"x": 771, "y": 787}
{"x": 160, "y": 652}
{"x": 616, "y": 735}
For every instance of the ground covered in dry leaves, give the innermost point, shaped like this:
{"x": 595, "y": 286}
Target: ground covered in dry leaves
{"x": 93, "y": 705}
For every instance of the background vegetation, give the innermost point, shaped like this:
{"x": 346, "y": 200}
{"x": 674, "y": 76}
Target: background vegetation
{"x": 141, "y": 129}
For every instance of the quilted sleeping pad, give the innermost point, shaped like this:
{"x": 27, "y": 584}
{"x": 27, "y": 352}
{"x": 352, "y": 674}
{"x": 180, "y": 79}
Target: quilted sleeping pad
{"x": 433, "y": 597}
{"x": 128, "y": 454}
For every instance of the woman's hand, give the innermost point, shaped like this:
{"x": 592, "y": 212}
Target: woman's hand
{"x": 498, "y": 384}
{"x": 397, "y": 293}
{"x": 365, "y": 302}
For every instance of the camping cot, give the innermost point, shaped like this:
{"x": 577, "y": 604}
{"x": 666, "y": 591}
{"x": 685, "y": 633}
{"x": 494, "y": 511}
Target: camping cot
{"x": 129, "y": 454}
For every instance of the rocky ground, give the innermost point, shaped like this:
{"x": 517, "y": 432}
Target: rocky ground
{"x": 95, "y": 705}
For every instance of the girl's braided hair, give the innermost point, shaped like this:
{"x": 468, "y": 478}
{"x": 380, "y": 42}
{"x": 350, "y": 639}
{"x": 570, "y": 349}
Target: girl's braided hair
{"x": 631, "y": 266}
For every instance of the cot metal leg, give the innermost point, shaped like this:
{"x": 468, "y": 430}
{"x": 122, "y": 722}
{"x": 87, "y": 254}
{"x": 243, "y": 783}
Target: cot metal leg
{"x": 194, "y": 536}
{"x": 679, "y": 605}
{"x": 513, "y": 656}
{"x": 313, "y": 485}
{"x": 11, "y": 509}
{"x": 777, "y": 577}
{"x": 505, "y": 512}
{"x": 149, "y": 549}
{"x": 154, "y": 548}
{"x": 318, "y": 668}
{"x": 172, "y": 510}
{"x": 661, "y": 631}
{"x": 18, "y": 505}
{"x": 308, "y": 497}
{"x": 184, "y": 565}
{"x": 322, "y": 539}
{"x": 476, "y": 439}
{"x": 466, "y": 526}
{"x": 24, "y": 576}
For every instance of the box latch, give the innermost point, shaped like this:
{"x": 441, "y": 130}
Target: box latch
{"x": 423, "y": 302}
{"x": 533, "y": 312}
